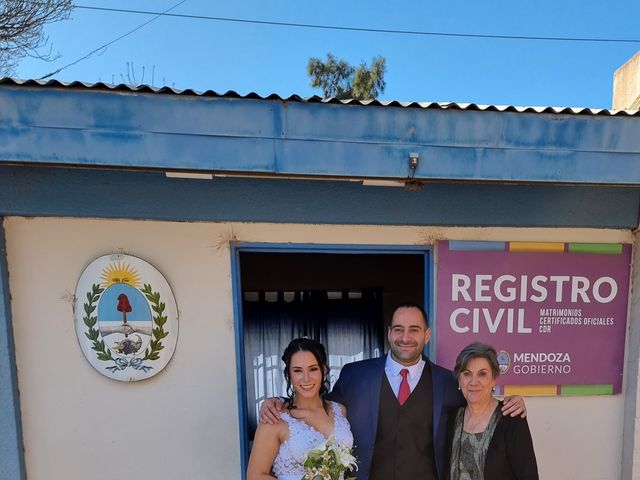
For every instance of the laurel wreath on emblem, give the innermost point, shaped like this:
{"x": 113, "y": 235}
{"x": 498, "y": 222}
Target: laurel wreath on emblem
{"x": 152, "y": 353}
{"x": 103, "y": 353}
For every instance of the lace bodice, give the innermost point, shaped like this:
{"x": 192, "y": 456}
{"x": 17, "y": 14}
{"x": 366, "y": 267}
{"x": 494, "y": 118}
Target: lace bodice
{"x": 302, "y": 438}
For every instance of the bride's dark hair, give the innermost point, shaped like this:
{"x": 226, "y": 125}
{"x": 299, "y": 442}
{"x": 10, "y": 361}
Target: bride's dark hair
{"x": 317, "y": 350}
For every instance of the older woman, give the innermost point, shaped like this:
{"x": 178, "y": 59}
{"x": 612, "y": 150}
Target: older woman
{"x": 484, "y": 444}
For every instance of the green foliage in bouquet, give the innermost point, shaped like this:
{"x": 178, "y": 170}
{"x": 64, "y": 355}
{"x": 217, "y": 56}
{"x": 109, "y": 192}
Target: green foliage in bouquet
{"x": 328, "y": 461}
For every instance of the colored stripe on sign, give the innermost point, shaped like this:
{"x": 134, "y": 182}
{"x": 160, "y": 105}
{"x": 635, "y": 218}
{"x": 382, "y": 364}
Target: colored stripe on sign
{"x": 547, "y": 247}
{"x": 599, "y": 248}
{"x": 586, "y": 390}
{"x": 463, "y": 245}
{"x": 531, "y": 390}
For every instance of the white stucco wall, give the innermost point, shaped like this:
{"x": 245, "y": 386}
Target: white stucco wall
{"x": 183, "y": 423}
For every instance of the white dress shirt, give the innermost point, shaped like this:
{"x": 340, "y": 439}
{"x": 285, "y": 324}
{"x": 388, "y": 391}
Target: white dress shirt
{"x": 392, "y": 369}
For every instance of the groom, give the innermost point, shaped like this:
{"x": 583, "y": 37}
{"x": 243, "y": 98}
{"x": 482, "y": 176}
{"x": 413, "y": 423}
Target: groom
{"x": 398, "y": 405}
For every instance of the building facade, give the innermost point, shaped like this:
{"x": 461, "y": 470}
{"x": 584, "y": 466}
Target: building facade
{"x": 197, "y": 183}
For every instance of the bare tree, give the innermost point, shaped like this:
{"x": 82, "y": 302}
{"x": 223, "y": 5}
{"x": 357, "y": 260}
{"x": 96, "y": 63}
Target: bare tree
{"x": 21, "y": 23}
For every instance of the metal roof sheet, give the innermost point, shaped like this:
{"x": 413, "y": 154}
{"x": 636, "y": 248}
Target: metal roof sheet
{"x": 77, "y": 85}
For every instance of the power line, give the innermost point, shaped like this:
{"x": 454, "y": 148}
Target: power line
{"x": 101, "y": 47}
{"x": 360, "y": 29}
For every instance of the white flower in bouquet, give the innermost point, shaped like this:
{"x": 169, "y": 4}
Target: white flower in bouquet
{"x": 345, "y": 458}
{"x": 328, "y": 461}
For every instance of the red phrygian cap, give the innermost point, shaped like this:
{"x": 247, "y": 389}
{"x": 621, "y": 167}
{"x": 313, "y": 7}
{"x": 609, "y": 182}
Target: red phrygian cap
{"x": 123, "y": 303}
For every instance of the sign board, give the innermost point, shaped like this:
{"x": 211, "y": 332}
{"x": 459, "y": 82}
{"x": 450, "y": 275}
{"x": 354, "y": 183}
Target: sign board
{"x": 555, "y": 312}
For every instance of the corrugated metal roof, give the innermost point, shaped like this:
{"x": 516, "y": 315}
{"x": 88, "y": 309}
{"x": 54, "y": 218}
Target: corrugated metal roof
{"x": 98, "y": 125}
{"x": 77, "y": 85}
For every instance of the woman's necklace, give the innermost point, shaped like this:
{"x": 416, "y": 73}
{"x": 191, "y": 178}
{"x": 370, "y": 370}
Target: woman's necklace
{"x": 477, "y": 422}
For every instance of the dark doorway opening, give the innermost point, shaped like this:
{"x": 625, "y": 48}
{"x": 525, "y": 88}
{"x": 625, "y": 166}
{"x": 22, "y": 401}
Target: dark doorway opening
{"x": 345, "y": 300}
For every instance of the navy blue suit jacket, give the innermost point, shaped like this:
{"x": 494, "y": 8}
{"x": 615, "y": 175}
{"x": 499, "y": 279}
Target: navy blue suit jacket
{"x": 358, "y": 389}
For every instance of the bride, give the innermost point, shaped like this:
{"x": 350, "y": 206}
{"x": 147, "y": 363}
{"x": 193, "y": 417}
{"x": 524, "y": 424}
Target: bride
{"x": 308, "y": 420}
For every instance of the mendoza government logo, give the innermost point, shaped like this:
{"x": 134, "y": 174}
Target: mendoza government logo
{"x": 504, "y": 361}
{"x": 533, "y": 363}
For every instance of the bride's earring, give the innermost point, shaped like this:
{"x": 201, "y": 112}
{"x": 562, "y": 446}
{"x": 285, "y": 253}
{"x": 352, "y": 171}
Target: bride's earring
{"x": 291, "y": 392}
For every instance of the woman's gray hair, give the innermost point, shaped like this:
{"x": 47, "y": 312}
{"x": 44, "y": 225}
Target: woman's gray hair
{"x": 477, "y": 350}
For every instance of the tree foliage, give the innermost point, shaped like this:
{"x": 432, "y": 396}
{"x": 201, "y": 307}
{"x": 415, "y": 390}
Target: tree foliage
{"x": 340, "y": 80}
{"x": 21, "y": 23}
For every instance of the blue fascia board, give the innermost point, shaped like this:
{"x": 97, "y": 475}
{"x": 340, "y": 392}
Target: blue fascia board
{"x": 60, "y": 192}
{"x": 259, "y": 136}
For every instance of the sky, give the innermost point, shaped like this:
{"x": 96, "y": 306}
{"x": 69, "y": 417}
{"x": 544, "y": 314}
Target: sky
{"x": 205, "y": 54}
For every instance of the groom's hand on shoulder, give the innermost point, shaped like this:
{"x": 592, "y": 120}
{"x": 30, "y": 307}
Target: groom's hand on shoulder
{"x": 514, "y": 406}
{"x": 270, "y": 410}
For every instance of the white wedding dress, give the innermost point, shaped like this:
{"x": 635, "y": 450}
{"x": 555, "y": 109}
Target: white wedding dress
{"x": 302, "y": 438}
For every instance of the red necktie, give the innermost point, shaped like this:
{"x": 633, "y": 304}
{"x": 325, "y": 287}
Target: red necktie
{"x": 404, "y": 391}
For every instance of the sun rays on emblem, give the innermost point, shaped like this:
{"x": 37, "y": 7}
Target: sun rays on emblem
{"x": 120, "y": 273}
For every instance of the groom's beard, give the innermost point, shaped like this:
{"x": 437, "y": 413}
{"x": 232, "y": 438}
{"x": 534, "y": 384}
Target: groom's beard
{"x": 410, "y": 355}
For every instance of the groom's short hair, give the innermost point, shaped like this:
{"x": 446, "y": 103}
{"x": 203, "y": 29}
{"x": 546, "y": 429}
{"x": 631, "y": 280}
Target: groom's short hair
{"x": 420, "y": 308}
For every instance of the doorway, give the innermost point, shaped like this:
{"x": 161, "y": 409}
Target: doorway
{"x": 342, "y": 297}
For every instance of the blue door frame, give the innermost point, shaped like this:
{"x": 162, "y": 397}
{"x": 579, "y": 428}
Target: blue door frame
{"x": 12, "y": 464}
{"x": 239, "y": 247}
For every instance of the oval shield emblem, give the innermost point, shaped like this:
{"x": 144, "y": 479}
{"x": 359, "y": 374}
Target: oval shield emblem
{"x": 126, "y": 317}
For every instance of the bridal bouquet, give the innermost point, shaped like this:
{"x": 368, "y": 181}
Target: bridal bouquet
{"x": 328, "y": 461}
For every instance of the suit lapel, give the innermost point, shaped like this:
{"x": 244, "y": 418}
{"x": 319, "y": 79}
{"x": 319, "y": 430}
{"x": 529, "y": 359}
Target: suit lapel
{"x": 374, "y": 387}
{"x": 438, "y": 391}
